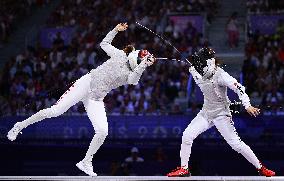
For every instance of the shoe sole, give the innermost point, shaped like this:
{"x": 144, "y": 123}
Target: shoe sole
{"x": 265, "y": 175}
{"x": 185, "y": 175}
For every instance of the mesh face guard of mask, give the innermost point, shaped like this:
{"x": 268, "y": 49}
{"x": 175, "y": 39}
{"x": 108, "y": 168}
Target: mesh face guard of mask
{"x": 203, "y": 61}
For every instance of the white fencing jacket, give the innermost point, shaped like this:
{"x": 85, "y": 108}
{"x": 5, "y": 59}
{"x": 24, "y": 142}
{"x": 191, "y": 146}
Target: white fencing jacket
{"x": 214, "y": 89}
{"x": 114, "y": 72}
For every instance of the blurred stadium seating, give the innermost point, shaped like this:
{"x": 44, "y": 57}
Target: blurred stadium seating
{"x": 61, "y": 58}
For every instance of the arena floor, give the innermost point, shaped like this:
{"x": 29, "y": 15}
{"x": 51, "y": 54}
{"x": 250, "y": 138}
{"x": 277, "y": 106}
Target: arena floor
{"x": 142, "y": 178}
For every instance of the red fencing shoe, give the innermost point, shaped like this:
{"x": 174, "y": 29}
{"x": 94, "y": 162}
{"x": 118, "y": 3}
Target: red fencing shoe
{"x": 265, "y": 172}
{"x": 179, "y": 172}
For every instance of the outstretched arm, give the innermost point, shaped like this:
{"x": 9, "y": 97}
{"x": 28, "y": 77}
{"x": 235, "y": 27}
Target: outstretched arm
{"x": 135, "y": 75}
{"x": 106, "y": 43}
{"x": 196, "y": 76}
{"x": 232, "y": 83}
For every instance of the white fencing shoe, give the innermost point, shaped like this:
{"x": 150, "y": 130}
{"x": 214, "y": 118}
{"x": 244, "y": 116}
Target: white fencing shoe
{"x": 13, "y": 133}
{"x": 87, "y": 168}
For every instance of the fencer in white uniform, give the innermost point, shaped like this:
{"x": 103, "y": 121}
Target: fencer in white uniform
{"x": 213, "y": 82}
{"x": 124, "y": 67}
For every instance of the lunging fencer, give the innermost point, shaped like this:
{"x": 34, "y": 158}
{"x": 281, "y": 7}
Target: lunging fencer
{"x": 213, "y": 82}
{"x": 124, "y": 67}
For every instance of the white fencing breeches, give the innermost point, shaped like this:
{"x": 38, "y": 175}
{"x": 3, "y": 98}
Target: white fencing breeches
{"x": 79, "y": 91}
{"x": 76, "y": 93}
{"x": 225, "y": 126}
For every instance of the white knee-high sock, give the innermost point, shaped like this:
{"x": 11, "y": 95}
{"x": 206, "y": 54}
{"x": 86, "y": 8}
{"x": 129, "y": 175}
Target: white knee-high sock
{"x": 249, "y": 155}
{"x": 185, "y": 152}
{"x": 198, "y": 125}
{"x": 95, "y": 144}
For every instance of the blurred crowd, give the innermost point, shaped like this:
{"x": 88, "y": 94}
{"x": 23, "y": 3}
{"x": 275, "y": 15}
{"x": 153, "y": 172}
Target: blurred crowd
{"x": 265, "y": 6}
{"x": 84, "y": 12}
{"x": 263, "y": 69}
{"x": 36, "y": 78}
{"x": 13, "y": 10}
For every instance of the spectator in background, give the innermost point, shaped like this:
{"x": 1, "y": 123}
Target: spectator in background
{"x": 193, "y": 108}
{"x": 280, "y": 28}
{"x": 119, "y": 169}
{"x": 134, "y": 157}
{"x": 232, "y": 30}
{"x": 176, "y": 109}
{"x": 281, "y": 53}
{"x": 273, "y": 99}
{"x": 3, "y": 32}
{"x": 58, "y": 42}
{"x": 160, "y": 155}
